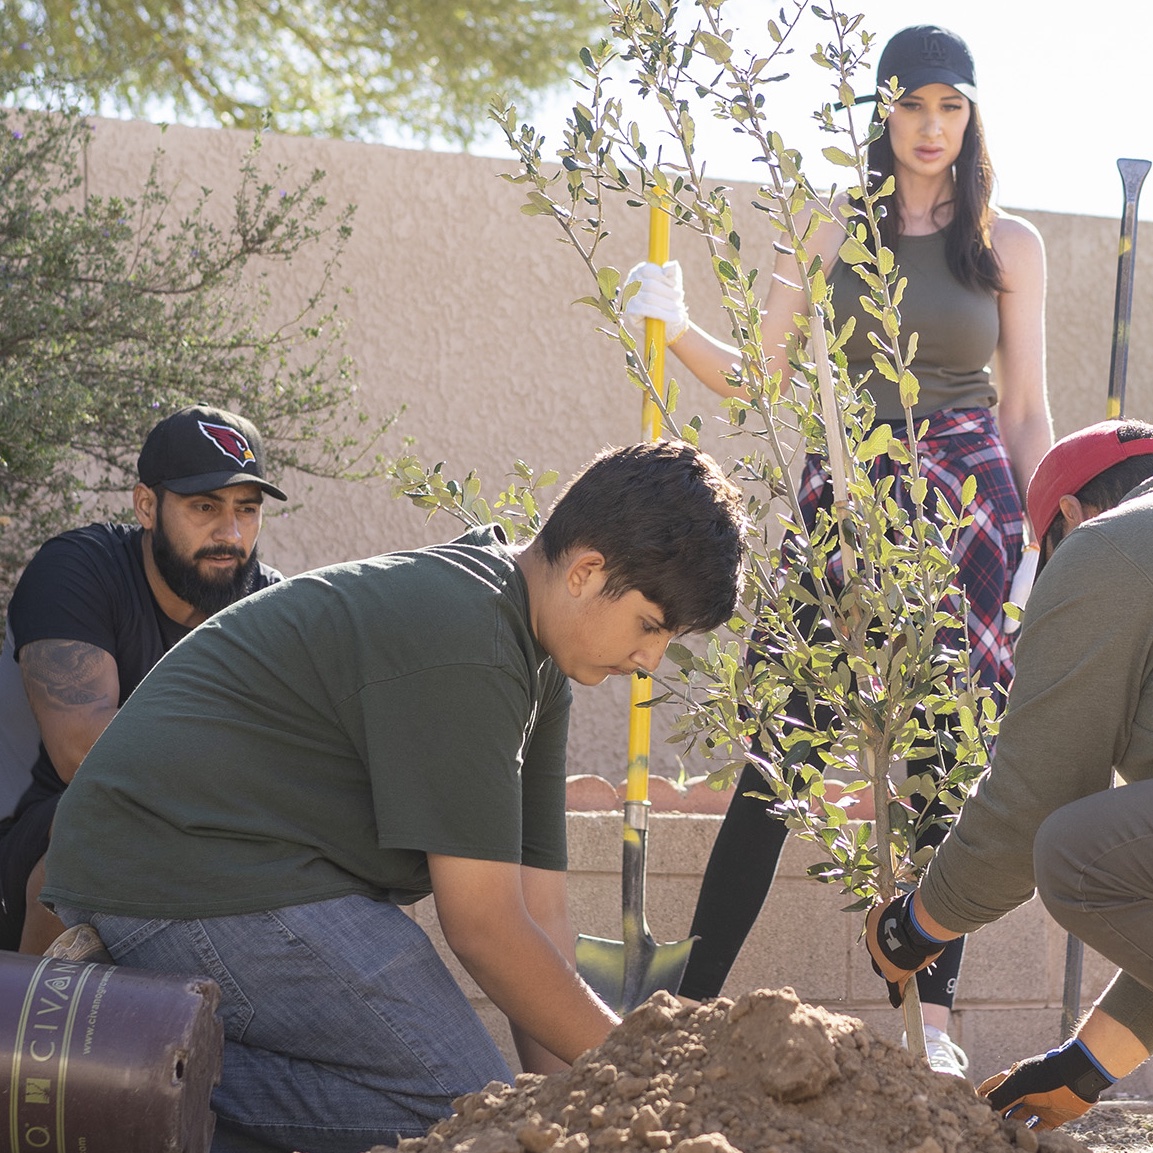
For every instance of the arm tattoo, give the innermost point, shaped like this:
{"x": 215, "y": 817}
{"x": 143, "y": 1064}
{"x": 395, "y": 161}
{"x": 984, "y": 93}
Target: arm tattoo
{"x": 66, "y": 673}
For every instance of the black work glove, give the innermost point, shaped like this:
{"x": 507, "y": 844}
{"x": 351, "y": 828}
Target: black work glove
{"x": 1048, "y": 1090}
{"x": 897, "y": 946}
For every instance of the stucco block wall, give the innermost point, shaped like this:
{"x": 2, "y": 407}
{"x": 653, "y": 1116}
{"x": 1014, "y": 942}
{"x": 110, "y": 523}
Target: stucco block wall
{"x": 460, "y": 308}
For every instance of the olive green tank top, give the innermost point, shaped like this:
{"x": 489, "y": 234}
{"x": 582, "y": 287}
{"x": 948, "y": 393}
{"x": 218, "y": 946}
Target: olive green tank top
{"x": 957, "y": 331}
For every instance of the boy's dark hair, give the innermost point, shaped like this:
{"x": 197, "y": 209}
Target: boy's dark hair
{"x": 668, "y": 523}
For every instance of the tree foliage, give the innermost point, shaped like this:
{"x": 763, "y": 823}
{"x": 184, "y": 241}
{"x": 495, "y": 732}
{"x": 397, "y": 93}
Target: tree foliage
{"x": 431, "y": 66}
{"x": 117, "y": 310}
{"x": 891, "y": 657}
{"x": 887, "y": 658}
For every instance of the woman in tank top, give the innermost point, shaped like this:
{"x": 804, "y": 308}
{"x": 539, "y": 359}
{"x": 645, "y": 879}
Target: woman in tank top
{"x": 975, "y": 296}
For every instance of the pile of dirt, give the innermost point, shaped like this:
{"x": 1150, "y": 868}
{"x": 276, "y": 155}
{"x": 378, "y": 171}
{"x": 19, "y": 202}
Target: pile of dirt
{"x": 763, "y": 1074}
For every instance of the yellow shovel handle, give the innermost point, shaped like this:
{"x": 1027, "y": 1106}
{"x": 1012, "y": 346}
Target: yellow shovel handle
{"x": 655, "y": 329}
{"x": 640, "y": 719}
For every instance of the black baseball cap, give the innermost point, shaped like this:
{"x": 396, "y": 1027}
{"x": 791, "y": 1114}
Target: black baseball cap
{"x": 199, "y": 449}
{"x": 927, "y": 54}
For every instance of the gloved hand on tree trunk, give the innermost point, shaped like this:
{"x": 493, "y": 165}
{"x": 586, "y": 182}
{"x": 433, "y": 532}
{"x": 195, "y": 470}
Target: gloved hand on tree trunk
{"x": 897, "y": 944}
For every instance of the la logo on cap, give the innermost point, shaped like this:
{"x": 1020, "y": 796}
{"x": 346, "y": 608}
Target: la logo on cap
{"x": 933, "y": 51}
{"x": 229, "y": 441}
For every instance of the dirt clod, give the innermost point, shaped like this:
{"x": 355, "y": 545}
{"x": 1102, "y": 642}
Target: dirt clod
{"x": 763, "y": 1074}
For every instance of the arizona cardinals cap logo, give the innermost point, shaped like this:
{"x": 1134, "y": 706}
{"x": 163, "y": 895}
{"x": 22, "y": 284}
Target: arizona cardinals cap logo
{"x": 229, "y": 441}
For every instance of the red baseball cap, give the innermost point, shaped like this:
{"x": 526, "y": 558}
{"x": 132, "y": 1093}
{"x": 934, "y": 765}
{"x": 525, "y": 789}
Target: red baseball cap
{"x": 1075, "y": 460}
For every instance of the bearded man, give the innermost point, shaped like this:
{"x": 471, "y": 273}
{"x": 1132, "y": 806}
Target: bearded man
{"x": 98, "y": 606}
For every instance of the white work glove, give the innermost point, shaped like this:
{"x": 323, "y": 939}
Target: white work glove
{"x": 1022, "y": 584}
{"x": 660, "y": 297}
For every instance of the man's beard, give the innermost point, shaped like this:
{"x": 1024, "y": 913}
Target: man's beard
{"x": 207, "y": 594}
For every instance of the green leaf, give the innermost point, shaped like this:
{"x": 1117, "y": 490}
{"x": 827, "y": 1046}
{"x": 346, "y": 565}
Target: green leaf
{"x": 884, "y": 367}
{"x": 608, "y": 279}
{"x": 713, "y": 47}
{"x": 876, "y": 444}
{"x": 538, "y": 201}
{"x": 910, "y": 389}
{"x": 819, "y": 287}
{"x": 839, "y": 157}
{"x": 797, "y": 754}
{"x": 852, "y": 251}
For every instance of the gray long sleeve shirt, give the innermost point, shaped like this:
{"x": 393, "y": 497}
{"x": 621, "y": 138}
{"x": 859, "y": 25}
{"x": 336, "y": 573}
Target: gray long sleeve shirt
{"x": 1081, "y": 706}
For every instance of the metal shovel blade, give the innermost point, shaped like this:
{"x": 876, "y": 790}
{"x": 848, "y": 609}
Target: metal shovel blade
{"x": 624, "y": 974}
{"x": 624, "y": 983}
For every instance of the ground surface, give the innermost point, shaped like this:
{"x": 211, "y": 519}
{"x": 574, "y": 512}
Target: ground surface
{"x": 1116, "y": 1127}
{"x": 764, "y": 1074}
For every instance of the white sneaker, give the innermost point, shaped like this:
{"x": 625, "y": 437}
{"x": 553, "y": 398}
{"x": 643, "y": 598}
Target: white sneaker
{"x": 945, "y": 1055}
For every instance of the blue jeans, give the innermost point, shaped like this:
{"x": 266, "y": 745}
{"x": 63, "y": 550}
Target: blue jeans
{"x": 343, "y": 1028}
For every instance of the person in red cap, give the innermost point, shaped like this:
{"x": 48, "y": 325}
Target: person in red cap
{"x": 975, "y": 295}
{"x": 98, "y": 606}
{"x": 1044, "y": 816}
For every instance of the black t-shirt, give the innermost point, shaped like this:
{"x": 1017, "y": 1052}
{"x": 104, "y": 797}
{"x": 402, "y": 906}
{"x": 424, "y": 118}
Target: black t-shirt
{"x": 89, "y": 585}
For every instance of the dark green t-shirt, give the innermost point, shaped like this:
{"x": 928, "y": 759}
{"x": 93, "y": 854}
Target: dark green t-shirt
{"x": 321, "y": 737}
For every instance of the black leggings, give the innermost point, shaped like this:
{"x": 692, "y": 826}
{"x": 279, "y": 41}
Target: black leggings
{"x": 737, "y": 880}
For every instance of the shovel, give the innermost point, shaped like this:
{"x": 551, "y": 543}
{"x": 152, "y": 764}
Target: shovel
{"x": 626, "y": 973}
{"x": 1133, "y": 173}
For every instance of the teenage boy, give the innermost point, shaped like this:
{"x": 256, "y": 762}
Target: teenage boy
{"x": 318, "y": 756}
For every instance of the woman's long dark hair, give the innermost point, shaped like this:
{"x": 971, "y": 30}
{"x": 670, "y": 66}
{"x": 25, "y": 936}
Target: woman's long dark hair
{"x": 968, "y": 243}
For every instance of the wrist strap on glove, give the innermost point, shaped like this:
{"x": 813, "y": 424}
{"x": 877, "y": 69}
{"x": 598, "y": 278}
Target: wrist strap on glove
{"x": 904, "y": 943}
{"x": 1085, "y": 1077}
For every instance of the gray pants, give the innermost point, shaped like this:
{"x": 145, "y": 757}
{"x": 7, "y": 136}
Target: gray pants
{"x": 1094, "y": 866}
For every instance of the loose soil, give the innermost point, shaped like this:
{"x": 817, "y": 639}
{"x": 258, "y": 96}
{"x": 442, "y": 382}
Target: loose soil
{"x": 763, "y": 1074}
{"x": 1115, "y": 1127}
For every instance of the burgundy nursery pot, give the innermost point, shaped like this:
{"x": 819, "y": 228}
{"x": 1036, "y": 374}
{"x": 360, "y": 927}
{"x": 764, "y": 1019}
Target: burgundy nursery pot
{"x": 105, "y": 1059}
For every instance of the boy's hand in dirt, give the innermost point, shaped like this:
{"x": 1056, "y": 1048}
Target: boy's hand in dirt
{"x": 1048, "y": 1090}
{"x": 897, "y": 945}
